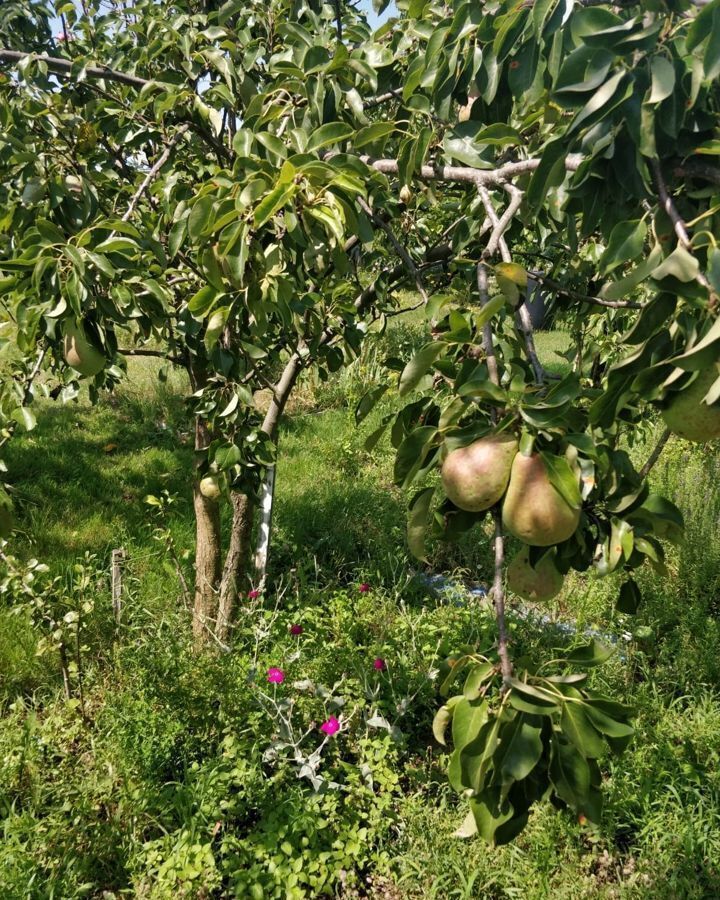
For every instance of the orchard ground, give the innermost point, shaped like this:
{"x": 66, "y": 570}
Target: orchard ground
{"x": 168, "y": 788}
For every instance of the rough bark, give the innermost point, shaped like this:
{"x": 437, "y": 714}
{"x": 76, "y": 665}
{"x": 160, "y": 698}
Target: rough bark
{"x": 234, "y": 574}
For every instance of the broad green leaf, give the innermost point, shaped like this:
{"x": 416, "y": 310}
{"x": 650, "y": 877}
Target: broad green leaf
{"x": 367, "y": 402}
{"x": 562, "y": 478}
{"x": 663, "y": 78}
{"x": 326, "y": 135}
{"x": 569, "y": 772}
{"x": 377, "y": 133}
{"x": 201, "y": 219}
{"x": 681, "y": 264}
{"x": 591, "y": 654}
{"x": 626, "y": 243}
{"x": 418, "y": 519}
{"x": 476, "y": 678}
{"x": 520, "y": 746}
{"x": 577, "y": 727}
{"x": 272, "y": 202}
{"x": 468, "y": 719}
{"x": 419, "y": 365}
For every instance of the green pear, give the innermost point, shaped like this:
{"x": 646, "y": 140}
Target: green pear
{"x": 539, "y": 584}
{"x": 475, "y": 477}
{"x": 210, "y": 487}
{"x": 80, "y": 353}
{"x": 687, "y": 416}
{"x": 533, "y": 511}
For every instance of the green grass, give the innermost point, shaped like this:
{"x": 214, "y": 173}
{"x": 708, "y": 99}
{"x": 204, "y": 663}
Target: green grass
{"x": 131, "y": 802}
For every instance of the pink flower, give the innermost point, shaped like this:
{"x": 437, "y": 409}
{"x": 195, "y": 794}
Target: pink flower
{"x": 332, "y": 726}
{"x": 275, "y": 676}
{"x": 296, "y": 629}
{"x": 253, "y": 595}
{"x": 364, "y": 587}
{"x": 379, "y": 664}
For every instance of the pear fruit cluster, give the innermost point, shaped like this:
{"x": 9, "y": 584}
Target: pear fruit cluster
{"x": 491, "y": 469}
{"x": 688, "y": 416}
{"x": 80, "y": 354}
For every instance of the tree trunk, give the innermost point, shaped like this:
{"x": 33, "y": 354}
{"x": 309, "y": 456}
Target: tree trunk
{"x": 234, "y": 575}
{"x": 208, "y": 552}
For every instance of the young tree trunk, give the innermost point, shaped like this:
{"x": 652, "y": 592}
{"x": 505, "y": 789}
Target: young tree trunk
{"x": 234, "y": 576}
{"x": 208, "y": 552}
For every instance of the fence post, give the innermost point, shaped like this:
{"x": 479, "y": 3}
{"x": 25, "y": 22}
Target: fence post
{"x": 118, "y": 558}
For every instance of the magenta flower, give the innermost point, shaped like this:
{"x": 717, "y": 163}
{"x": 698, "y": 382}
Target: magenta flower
{"x": 364, "y": 587}
{"x": 253, "y": 595}
{"x": 332, "y": 726}
{"x": 296, "y": 629}
{"x": 275, "y": 676}
{"x": 379, "y": 664}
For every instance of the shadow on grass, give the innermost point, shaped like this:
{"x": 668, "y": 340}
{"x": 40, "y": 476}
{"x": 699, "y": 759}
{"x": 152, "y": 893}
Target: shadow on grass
{"x": 80, "y": 477}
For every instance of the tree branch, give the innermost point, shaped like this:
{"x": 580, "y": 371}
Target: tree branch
{"x": 500, "y": 225}
{"x": 466, "y": 174}
{"x": 65, "y": 66}
{"x": 398, "y": 247}
{"x": 159, "y": 354}
{"x": 558, "y": 288}
{"x": 679, "y": 226}
{"x": 655, "y": 455}
{"x": 152, "y": 174}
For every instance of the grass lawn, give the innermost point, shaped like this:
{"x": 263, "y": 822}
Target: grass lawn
{"x": 175, "y": 786}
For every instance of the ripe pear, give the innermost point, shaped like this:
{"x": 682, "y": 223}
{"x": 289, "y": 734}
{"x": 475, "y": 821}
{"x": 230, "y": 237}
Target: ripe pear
{"x": 687, "y": 416}
{"x": 475, "y": 477}
{"x": 80, "y": 353}
{"x": 533, "y": 511}
{"x": 210, "y": 487}
{"x": 539, "y": 584}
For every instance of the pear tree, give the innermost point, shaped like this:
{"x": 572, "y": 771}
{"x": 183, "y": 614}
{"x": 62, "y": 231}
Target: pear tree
{"x": 238, "y": 188}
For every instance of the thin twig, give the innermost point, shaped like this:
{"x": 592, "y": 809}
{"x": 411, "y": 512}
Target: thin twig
{"x": 500, "y": 225}
{"x": 408, "y": 261}
{"x": 655, "y": 455}
{"x": 679, "y": 226}
{"x": 558, "y": 288}
{"x": 152, "y": 174}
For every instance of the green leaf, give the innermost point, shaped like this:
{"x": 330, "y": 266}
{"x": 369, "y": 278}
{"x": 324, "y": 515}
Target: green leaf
{"x": 626, "y": 243}
{"x": 603, "y": 101}
{"x": 377, "y": 133}
{"x": 663, "y": 78}
{"x": 569, "y": 772}
{"x": 418, "y": 518}
{"x": 203, "y": 301}
{"x": 520, "y": 746}
{"x": 201, "y": 218}
{"x": 326, "y": 135}
{"x": 591, "y": 654}
{"x": 419, "y": 365}
{"x": 468, "y": 718}
{"x": 367, "y": 402}
{"x": 681, "y": 264}
{"x": 562, "y": 478}
{"x": 577, "y": 727}
{"x": 607, "y": 725}
{"x": 476, "y": 678}
{"x": 272, "y": 202}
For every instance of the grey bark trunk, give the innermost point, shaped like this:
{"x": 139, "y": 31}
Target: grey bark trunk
{"x": 208, "y": 553}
